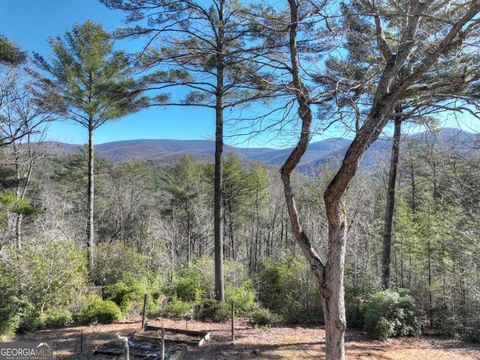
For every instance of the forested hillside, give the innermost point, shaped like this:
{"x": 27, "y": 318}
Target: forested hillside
{"x": 322, "y": 153}
{"x": 155, "y": 234}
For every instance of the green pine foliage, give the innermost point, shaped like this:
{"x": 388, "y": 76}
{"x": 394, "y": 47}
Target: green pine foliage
{"x": 86, "y": 80}
{"x": 10, "y": 53}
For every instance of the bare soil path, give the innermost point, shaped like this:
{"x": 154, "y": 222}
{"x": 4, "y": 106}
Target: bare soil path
{"x": 274, "y": 343}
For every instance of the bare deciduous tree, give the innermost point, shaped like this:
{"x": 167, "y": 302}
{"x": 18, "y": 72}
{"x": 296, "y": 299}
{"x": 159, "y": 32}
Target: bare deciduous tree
{"x": 408, "y": 55}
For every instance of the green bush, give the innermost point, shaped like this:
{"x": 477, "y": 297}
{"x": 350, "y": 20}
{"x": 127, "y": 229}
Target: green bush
{"x": 32, "y": 279}
{"x": 445, "y": 320}
{"x": 128, "y": 296}
{"x": 354, "y": 307}
{"x": 97, "y": 310}
{"x": 468, "y": 333}
{"x": 56, "y": 318}
{"x": 10, "y": 307}
{"x": 156, "y": 304}
{"x": 243, "y": 297}
{"x": 178, "y": 307}
{"x": 383, "y": 329}
{"x": 20, "y": 316}
{"x": 439, "y": 316}
{"x": 296, "y": 314}
{"x": 389, "y": 313}
{"x": 46, "y": 276}
{"x": 262, "y": 317}
{"x": 29, "y": 321}
{"x": 449, "y": 323}
{"x": 276, "y": 284}
{"x": 212, "y": 310}
{"x": 203, "y": 271}
{"x": 187, "y": 285}
{"x": 115, "y": 262}
{"x": 289, "y": 289}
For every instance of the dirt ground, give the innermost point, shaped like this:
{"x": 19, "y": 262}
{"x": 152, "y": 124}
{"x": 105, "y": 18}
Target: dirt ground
{"x": 260, "y": 343}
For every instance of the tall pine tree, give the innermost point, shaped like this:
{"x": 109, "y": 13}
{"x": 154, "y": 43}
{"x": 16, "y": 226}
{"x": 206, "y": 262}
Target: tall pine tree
{"x": 88, "y": 82}
{"x": 203, "y": 47}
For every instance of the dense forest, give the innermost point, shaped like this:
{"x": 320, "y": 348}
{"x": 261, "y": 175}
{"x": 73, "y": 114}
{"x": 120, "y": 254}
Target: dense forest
{"x": 390, "y": 246}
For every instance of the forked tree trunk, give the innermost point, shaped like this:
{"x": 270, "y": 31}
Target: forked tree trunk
{"x": 334, "y": 304}
{"x": 329, "y": 276}
{"x": 90, "y": 196}
{"x": 390, "y": 206}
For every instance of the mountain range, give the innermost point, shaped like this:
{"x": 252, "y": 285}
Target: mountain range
{"x": 321, "y": 153}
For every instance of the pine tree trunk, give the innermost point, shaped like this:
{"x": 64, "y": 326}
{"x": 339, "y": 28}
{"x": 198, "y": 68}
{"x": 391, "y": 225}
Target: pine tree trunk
{"x": 218, "y": 228}
{"x": 429, "y": 270}
{"x": 224, "y": 228}
{"x": 189, "y": 237}
{"x": 414, "y": 189}
{"x": 217, "y": 207}
{"x": 390, "y": 206}
{"x": 232, "y": 236}
{"x": 90, "y": 196}
{"x": 429, "y": 243}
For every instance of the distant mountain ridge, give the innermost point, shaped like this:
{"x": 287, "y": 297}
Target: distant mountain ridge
{"x": 167, "y": 151}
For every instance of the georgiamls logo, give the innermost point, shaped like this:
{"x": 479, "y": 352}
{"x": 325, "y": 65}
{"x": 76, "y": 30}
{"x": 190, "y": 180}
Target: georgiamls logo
{"x": 25, "y": 351}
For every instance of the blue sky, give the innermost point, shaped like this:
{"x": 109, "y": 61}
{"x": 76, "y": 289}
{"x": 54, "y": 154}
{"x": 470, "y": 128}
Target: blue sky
{"x": 29, "y": 23}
